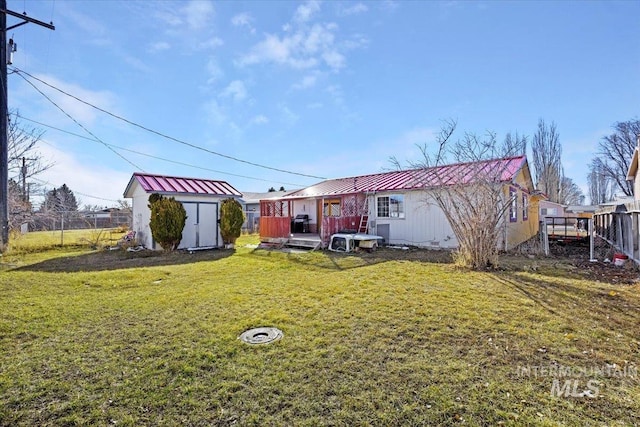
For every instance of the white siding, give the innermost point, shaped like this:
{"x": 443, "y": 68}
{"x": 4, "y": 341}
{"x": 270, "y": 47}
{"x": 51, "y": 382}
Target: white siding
{"x": 424, "y": 224}
{"x": 306, "y": 207}
{"x": 141, "y": 216}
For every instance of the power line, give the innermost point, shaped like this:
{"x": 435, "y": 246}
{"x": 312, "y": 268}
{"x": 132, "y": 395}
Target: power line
{"x": 171, "y": 138}
{"x": 158, "y": 158}
{"x": 75, "y": 192}
{"x": 79, "y": 124}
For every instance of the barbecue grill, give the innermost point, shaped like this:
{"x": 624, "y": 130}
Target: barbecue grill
{"x": 300, "y": 224}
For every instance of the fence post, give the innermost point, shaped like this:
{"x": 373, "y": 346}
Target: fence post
{"x": 591, "y": 240}
{"x": 61, "y": 228}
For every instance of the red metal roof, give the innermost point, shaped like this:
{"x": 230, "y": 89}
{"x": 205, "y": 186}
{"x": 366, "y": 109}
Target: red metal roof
{"x": 178, "y": 185}
{"x": 459, "y": 173}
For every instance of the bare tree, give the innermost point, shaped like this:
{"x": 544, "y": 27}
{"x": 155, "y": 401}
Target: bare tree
{"x": 570, "y": 193}
{"x": 472, "y": 195}
{"x": 616, "y": 152}
{"x": 516, "y": 144}
{"x": 24, "y": 161}
{"x": 22, "y": 149}
{"x": 601, "y": 186}
{"x": 547, "y": 163}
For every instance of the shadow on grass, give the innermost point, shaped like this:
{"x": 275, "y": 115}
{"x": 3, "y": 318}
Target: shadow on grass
{"x": 567, "y": 299}
{"x": 117, "y": 260}
{"x": 340, "y": 261}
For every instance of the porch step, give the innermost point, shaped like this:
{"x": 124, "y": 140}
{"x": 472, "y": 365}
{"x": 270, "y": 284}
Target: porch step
{"x": 300, "y": 242}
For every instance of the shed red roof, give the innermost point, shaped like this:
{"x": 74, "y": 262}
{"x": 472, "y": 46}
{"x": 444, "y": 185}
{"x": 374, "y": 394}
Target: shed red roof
{"x": 459, "y": 173}
{"x": 178, "y": 185}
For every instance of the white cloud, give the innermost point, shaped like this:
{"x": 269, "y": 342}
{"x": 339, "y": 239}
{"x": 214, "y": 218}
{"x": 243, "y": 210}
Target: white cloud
{"x": 197, "y": 13}
{"x": 306, "y": 11}
{"x": 85, "y": 177}
{"x": 136, "y": 63}
{"x": 356, "y": 9}
{"x": 334, "y": 59}
{"x": 307, "y": 82}
{"x": 79, "y": 111}
{"x": 288, "y": 116}
{"x": 235, "y": 90}
{"x": 260, "y": 119}
{"x": 336, "y": 94}
{"x": 354, "y": 42}
{"x": 243, "y": 20}
{"x": 285, "y": 51}
{"x": 215, "y": 112}
{"x": 305, "y": 48}
{"x": 212, "y": 43}
{"x": 159, "y": 47}
{"x": 214, "y": 70}
{"x": 92, "y": 26}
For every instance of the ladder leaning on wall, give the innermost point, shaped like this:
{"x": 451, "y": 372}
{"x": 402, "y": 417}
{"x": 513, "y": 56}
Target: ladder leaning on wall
{"x": 364, "y": 216}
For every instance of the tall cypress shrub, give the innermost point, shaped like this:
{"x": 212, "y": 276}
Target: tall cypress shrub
{"x": 168, "y": 218}
{"x": 231, "y": 220}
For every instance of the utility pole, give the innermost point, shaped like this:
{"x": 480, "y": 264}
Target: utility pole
{"x": 4, "y": 115}
{"x": 24, "y": 179}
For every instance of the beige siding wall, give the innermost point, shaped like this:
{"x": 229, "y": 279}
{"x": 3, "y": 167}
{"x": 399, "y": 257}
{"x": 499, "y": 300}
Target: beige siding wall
{"x": 522, "y": 228}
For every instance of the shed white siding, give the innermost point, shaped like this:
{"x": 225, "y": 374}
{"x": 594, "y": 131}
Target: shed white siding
{"x": 141, "y": 217}
{"x": 201, "y": 227}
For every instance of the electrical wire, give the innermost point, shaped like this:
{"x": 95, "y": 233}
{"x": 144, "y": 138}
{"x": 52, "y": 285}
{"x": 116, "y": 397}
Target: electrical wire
{"x": 75, "y": 192}
{"x": 22, "y": 74}
{"x": 79, "y": 124}
{"x": 156, "y": 157}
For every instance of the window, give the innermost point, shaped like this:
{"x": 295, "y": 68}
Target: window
{"x": 331, "y": 207}
{"x": 391, "y": 206}
{"x": 525, "y": 207}
{"x": 513, "y": 209}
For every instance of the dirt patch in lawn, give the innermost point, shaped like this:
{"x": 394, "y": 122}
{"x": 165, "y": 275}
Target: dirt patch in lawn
{"x": 115, "y": 260}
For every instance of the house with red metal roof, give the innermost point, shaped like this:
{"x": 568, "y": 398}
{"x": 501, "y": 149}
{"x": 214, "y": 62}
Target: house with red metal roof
{"x": 200, "y": 197}
{"x": 396, "y": 205}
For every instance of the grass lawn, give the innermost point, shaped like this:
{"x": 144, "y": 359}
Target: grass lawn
{"x": 117, "y": 338}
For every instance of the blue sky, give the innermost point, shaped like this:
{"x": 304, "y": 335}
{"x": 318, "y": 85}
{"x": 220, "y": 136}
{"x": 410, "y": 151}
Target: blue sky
{"x": 327, "y": 89}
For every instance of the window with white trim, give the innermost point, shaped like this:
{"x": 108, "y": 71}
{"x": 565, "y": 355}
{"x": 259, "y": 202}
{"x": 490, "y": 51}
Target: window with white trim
{"x": 391, "y": 206}
{"x": 513, "y": 209}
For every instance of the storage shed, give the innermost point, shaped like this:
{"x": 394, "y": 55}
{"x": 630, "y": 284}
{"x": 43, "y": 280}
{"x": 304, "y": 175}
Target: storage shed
{"x": 200, "y": 197}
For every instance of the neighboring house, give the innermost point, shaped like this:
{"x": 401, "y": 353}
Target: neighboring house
{"x": 200, "y": 197}
{"x": 108, "y": 217}
{"x": 549, "y": 208}
{"x": 396, "y": 206}
{"x": 251, "y": 204}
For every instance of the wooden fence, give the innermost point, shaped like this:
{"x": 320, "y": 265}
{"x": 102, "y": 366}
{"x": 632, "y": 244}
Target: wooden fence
{"x": 619, "y": 225}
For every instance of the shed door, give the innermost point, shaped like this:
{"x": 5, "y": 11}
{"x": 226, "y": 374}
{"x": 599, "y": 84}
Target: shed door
{"x": 208, "y": 224}
{"x": 190, "y": 226}
{"x": 201, "y": 227}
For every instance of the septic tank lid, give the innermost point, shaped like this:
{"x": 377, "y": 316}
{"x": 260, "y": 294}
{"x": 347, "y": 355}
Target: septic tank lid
{"x": 263, "y": 335}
